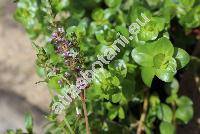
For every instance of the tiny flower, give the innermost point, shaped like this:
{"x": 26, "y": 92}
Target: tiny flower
{"x": 78, "y": 112}
{"x": 67, "y": 62}
{"x": 78, "y": 69}
{"x": 54, "y": 35}
{"x": 59, "y": 49}
{"x": 66, "y": 54}
{"x": 68, "y": 43}
{"x": 61, "y": 30}
{"x": 73, "y": 53}
{"x": 56, "y": 70}
{"x": 60, "y": 82}
{"x": 49, "y": 40}
{"x": 60, "y": 39}
{"x": 67, "y": 75}
{"x": 81, "y": 83}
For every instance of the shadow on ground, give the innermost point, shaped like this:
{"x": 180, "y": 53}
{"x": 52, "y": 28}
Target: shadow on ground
{"x": 13, "y": 108}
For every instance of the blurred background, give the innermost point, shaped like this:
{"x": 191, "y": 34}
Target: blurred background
{"x": 18, "y": 92}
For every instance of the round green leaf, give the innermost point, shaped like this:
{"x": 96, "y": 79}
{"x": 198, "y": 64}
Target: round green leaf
{"x": 151, "y": 30}
{"x": 144, "y": 54}
{"x": 182, "y": 57}
{"x": 166, "y": 74}
{"x": 116, "y": 97}
{"x": 164, "y": 46}
{"x": 184, "y": 101}
{"x": 113, "y": 3}
{"x": 184, "y": 113}
{"x": 165, "y": 113}
{"x": 148, "y": 74}
{"x": 167, "y": 128}
{"x": 98, "y": 14}
{"x": 100, "y": 36}
{"x": 172, "y": 87}
{"x": 153, "y": 3}
{"x": 192, "y": 18}
{"x": 154, "y": 100}
{"x": 115, "y": 81}
{"x": 40, "y": 71}
{"x": 118, "y": 67}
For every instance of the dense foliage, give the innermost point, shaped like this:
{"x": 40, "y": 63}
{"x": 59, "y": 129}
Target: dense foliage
{"x": 138, "y": 90}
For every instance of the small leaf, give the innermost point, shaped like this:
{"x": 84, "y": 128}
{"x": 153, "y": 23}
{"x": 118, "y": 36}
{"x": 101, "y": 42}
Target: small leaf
{"x": 40, "y": 71}
{"x": 123, "y": 30}
{"x": 100, "y": 36}
{"x": 153, "y": 3}
{"x": 167, "y": 74}
{"x": 154, "y": 100}
{"x": 10, "y": 131}
{"x": 148, "y": 74}
{"x": 172, "y": 87}
{"x": 167, "y": 128}
{"x": 19, "y": 131}
{"x": 29, "y": 123}
{"x": 59, "y": 5}
{"x": 184, "y": 113}
{"x": 113, "y": 3}
{"x": 55, "y": 59}
{"x": 165, "y": 113}
{"x": 121, "y": 113}
{"x": 118, "y": 67}
{"x": 112, "y": 113}
{"x": 192, "y": 18}
{"x": 172, "y": 98}
{"x": 49, "y": 49}
{"x": 115, "y": 81}
{"x": 135, "y": 12}
{"x": 98, "y": 14}
{"x": 116, "y": 97}
{"x": 184, "y": 101}
{"x": 128, "y": 88}
{"x": 182, "y": 57}
{"x": 53, "y": 83}
{"x": 151, "y": 30}
{"x": 164, "y": 46}
{"x": 144, "y": 54}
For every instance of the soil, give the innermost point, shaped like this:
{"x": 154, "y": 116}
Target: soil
{"x": 18, "y": 92}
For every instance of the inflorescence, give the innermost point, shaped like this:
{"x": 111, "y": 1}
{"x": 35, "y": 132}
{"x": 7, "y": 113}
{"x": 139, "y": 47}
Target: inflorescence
{"x": 73, "y": 59}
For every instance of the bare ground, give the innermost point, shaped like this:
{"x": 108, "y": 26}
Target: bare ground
{"x": 18, "y": 93}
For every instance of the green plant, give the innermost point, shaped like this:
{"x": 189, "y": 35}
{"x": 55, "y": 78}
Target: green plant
{"x": 28, "y": 121}
{"x": 115, "y": 95}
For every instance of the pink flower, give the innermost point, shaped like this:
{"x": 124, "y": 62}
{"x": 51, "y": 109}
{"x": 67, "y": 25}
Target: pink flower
{"x": 81, "y": 83}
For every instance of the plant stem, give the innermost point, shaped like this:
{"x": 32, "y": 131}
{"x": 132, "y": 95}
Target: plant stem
{"x": 195, "y": 58}
{"x": 68, "y": 126}
{"x": 140, "y": 128}
{"x": 85, "y": 112}
{"x": 174, "y": 111}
